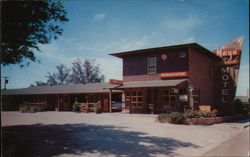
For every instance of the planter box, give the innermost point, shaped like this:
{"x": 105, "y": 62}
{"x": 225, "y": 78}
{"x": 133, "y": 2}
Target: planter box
{"x": 206, "y": 121}
{"x": 203, "y": 121}
{"x": 164, "y": 121}
{"x": 192, "y": 121}
{"x": 218, "y": 120}
{"x": 167, "y": 121}
{"x": 210, "y": 121}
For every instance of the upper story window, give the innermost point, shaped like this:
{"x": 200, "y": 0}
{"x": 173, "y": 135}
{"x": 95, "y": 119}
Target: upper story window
{"x": 151, "y": 65}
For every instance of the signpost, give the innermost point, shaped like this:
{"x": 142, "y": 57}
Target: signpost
{"x": 227, "y": 72}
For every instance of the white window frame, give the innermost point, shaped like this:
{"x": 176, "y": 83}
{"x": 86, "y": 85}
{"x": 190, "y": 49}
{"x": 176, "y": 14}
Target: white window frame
{"x": 150, "y": 66}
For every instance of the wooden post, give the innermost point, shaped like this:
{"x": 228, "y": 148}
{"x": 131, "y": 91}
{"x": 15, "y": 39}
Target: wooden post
{"x": 58, "y": 103}
{"x": 110, "y": 101}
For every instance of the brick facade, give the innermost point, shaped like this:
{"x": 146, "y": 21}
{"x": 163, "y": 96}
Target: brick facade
{"x": 201, "y": 75}
{"x": 146, "y": 77}
{"x": 197, "y": 61}
{"x": 135, "y": 66}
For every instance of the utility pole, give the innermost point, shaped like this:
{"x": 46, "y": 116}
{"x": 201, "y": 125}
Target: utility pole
{"x": 6, "y": 81}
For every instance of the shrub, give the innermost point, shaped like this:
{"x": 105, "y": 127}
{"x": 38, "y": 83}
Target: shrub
{"x": 163, "y": 116}
{"x": 192, "y": 114}
{"x": 97, "y": 108}
{"x": 214, "y": 113}
{"x": 205, "y": 114}
{"x": 174, "y": 117}
{"x": 31, "y": 109}
{"x": 200, "y": 113}
{"x": 39, "y": 108}
{"x": 240, "y": 107}
{"x": 75, "y": 107}
{"x": 24, "y": 108}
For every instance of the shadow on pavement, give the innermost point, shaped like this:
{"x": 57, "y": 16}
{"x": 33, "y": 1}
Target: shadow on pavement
{"x": 246, "y": 120}
{"x": 51, "y": 140}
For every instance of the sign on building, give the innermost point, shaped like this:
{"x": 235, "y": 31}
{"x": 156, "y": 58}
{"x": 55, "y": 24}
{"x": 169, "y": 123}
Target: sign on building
{"x": 227, "y": 71}
{"x": 116, "y": 82}
{"x": 174, "y": 74}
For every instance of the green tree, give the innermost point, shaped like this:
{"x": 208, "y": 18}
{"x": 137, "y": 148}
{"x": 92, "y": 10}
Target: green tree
{"x": 85, "y": 72}
{"x": 40, "y": 83}
{"x": 78, "y": 72}
{"x": 60, "y": 77}
{"x": 25, "y": 25}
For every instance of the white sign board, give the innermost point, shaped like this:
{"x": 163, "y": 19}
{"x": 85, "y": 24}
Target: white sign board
{"x": 183, "y": 98}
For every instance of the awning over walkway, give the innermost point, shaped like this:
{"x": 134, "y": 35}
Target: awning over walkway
{"x": 160, "y": 83}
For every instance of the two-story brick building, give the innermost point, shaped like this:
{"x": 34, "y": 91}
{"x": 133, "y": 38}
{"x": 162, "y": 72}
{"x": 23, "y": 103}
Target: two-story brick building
{"x": 168, "y": 78}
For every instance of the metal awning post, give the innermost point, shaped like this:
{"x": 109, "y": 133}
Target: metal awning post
{"x": 191, "y": 103}
{"x": 110, "y": 100}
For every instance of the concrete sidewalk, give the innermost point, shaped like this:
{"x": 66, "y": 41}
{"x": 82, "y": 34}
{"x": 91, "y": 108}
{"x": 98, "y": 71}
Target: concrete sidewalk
{"x": 237, "y": 146}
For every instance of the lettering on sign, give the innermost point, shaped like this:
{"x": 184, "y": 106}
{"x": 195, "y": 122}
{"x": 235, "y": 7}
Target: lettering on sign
{"x": 174, "y": 74}
{"x": 227, "y": 52}
{"x": 229, "y": 56}
{"x": 225, "y": 84}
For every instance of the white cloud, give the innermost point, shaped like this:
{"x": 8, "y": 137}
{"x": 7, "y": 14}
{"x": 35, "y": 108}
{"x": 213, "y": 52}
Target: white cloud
{"x": 190, "y": 40}
{"x": 53, "y": 52}
{"x": 135, "y": 44}
{"x": 111, "y": 67}
{"x": 182, "y": 24}
{"x": 99, "y": 16}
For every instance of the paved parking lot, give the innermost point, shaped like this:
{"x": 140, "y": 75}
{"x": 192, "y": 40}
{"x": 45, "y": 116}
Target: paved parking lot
{"x": 108, "y": 134}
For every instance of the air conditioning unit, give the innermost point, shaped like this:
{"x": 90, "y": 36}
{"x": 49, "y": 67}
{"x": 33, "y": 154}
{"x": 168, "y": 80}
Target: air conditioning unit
{"x": 174, "y": 90}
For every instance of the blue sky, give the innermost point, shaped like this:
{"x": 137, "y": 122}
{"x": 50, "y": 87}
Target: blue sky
{"x": 97, "y": 28}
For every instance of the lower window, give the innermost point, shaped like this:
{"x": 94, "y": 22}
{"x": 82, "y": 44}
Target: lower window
{"x": 137, "y": 98}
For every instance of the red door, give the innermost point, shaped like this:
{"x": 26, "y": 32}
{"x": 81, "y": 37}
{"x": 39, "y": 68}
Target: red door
{"x": 105, "y": 105}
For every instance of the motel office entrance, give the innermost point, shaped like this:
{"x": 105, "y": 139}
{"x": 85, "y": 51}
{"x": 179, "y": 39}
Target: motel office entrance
{"x": 160, "y": 99}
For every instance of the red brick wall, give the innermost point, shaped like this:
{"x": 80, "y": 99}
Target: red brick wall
{"x": 201, "y": 76}
{"x": 135, "y": 66}
{"x": 141, "y": 77}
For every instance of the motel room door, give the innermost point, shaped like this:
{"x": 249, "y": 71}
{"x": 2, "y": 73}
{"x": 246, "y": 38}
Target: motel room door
{"x": 105, "y": 102}
{"x": 63, "y": 103}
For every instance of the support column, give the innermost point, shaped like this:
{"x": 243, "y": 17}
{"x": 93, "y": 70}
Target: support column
{"x": 191, "y": 103}
{"x": 110, "y": 100}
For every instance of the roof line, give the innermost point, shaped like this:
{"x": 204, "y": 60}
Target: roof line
{"x": 195, "y": 45}
{"x": 148, "y": 49}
